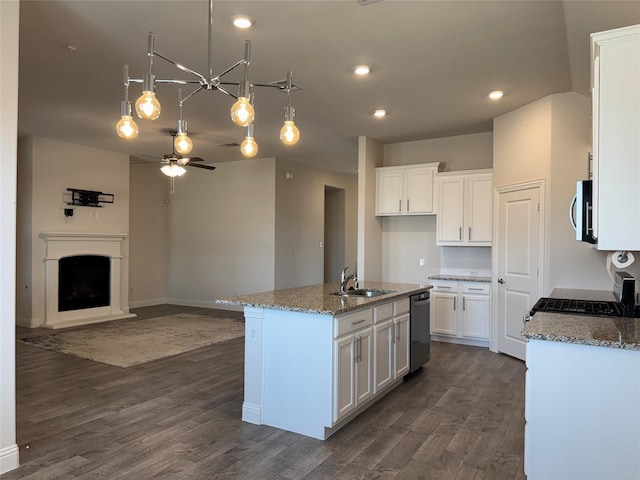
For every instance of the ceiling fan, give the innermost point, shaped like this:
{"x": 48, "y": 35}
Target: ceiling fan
{"x": 174, "y": 163}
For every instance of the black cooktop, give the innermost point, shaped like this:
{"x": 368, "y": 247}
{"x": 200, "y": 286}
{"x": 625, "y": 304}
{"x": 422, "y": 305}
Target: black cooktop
{"x": 580, "y": 307}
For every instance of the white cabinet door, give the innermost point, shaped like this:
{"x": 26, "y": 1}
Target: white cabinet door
{"x": 401, "y": 345}
{"x": 389, "y": 192}
{"x": 475, "y": 316}
{"x": 444, "y": 313}
{"x": 419, "y": 191}
{"x": 364, "y": 365}
{"x": 479, "y": 210}
{"x": 616, "y": 127}
{"x": 383, "y": 337}
{"x": 450, "y": 210}
{"x": 344, "y": 377}
{"x": 405, "y": 190}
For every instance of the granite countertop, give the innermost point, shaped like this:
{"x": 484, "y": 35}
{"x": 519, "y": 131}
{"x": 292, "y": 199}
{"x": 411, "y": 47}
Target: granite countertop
{"x": 319, "y": 299}
{"x": 614, "y": 332}
{"x": 461, "y": 278}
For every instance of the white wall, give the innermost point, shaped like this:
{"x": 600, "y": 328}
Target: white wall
{"x": 462, "y": 152}
{"x": 405, "y": 240}
{"x": 54, "y": 167}
{"x": 222, "y": 232}
{"x": 9, "y": 17}
{"x": 549, "y": 139}
{"x": 299, "y": 231}
{"x": 370, "y": 155}
{"x": 148, "y": 235}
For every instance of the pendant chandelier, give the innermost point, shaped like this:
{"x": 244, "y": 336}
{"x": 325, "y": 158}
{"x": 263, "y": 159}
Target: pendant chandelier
{"x": 242, "y": 111}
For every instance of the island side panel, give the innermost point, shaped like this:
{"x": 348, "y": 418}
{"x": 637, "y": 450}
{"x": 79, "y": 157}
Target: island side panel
{"x": 252, "y": 407}
{"x": 297, "y": 371}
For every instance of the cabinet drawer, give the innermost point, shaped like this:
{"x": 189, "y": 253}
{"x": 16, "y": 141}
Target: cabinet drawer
{"x": 451, "y": 287}
{"x": 477, "y": 288}
{"x": 382, "y": 312}
{"x": 400, "y": 306}
{"x": 352, "y": 321}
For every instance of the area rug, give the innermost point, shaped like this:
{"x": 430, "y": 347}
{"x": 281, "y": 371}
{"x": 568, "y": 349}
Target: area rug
{"x": 134, "y": 342}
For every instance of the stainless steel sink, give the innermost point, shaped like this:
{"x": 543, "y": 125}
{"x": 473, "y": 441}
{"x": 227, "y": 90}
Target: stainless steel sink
{"x": 364, "y": 292}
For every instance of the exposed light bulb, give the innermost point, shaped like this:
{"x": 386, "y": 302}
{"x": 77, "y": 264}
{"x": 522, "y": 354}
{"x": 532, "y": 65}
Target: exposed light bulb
{"x": 183, "y": 144}
{"x": 173, "y": 170}
{"x": 249, "y": 147}
{"x": 148, "y": 106}
{"x": 289, "y": 133}
{"x": 242, "y": 112}
{"x": 127, "y": 128}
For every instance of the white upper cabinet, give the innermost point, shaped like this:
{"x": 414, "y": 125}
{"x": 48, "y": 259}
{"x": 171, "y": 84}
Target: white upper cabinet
{"x": 465, "y": 208}
{"x": 616, "y": 138}
{"x": 405, "y": 190}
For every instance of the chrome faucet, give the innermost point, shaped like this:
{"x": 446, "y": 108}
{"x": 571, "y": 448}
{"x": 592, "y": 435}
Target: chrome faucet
{"x": 344, "y": 280}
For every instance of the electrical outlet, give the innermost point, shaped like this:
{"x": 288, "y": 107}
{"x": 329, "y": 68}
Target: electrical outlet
{"x": 474, "y": 273}
{"x": 421, "y": 262}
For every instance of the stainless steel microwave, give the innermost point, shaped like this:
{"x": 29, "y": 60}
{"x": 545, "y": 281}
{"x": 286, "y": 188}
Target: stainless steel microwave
{"x": 581, "y": 212}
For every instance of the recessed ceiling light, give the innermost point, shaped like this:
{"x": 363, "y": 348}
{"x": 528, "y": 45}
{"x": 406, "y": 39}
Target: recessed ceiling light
{"x": 496, "y": 94}
{"x": 362, "y": 70}
{"x": 242, "y": 21}
{"x": 379, "y": 113}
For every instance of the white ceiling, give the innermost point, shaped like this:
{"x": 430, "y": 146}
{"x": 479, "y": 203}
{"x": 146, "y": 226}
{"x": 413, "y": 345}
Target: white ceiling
{"x": 433, "y": 64}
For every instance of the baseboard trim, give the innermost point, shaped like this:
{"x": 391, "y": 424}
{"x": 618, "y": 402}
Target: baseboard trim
{"x": 9, "y": 459}
{"x": 28, "y": 322}
{"x": 147, "y": 303}
{"x": 460, "y": 341}
{"x": 193, "y": 303}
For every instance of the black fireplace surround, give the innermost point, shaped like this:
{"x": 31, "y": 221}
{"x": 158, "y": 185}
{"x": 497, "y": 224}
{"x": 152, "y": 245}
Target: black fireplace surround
{"x": 84, "y": 281}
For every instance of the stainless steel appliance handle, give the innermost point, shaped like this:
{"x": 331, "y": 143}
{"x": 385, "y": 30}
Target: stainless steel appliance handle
{"x": 572, "y": 217}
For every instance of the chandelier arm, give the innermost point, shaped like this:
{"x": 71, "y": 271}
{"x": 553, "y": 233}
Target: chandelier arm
{"x": 223, "y": 90}
{"x": 210, "y": 46}
{"x": 220, "y": 75}
{"x": 184, "y": 99}
{"x": 181, "y": 67}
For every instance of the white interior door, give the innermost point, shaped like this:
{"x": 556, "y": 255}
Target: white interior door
{"x": 519, "y": 264}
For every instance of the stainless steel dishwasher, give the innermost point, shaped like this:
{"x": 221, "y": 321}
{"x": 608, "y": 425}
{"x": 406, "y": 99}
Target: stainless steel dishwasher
{"x": 420, "y": 330}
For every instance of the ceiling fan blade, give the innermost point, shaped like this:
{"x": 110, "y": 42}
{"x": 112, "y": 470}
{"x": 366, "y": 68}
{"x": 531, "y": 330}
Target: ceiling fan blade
{"x": 193, "y": 159}
{"x": 206, "y": 167}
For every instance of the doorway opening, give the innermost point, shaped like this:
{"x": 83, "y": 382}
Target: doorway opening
{"x": 334, "y": 233}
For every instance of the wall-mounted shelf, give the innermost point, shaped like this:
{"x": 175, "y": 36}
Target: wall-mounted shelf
{"x": 89, "y": 198}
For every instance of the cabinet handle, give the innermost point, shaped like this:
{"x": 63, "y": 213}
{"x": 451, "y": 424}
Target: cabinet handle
{"x": 472, "y": 288}
{"x": 354, "y": 345}
{"x": 397, "y": 328}
{"x": 460, "y": 233}
{"x": 407, "y": 205}
{"x": 359, "y": 348}
{"x": 469, "y": 233}
{"x": 442, "y": 286}
{"x": 358, "y": 321}
{"x": 400, "y": 205}
{"x": 464, "y": 304}
{"x": 454, "y": 303}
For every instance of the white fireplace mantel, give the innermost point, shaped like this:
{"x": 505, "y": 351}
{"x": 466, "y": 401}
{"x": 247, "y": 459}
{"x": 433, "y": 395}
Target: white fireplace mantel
{"x": 66, "y": 244}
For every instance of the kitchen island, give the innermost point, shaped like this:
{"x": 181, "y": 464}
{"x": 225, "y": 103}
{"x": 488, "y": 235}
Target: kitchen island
{"x": 315, "y": 360}
{"x": 582, "y": 406}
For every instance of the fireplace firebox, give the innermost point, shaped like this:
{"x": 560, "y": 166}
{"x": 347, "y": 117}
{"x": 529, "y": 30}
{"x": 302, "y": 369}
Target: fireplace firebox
{"x": 84, "y": 282}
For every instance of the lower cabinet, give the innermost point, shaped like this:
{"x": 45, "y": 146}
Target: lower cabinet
{"x": 461, "y": 312}
{"x": 353, "y": 371}
{"x": 391, "y": 343}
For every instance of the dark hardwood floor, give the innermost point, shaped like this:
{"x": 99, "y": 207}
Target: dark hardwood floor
{"x": 460, "y": 417}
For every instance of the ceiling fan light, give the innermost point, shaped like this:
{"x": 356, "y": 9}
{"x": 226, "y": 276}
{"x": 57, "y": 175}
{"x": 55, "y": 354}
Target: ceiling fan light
{"x": 242, "y": 21}
{"x": 148, "y": 106}
{"x": 289, "y": 133}
{"x": 242, "y": 112}
{"x": 173, "y": 170}
{"x": 127, "y": 128}
{"x": 183, "y": 144}
{"x": 249, "y": 147}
